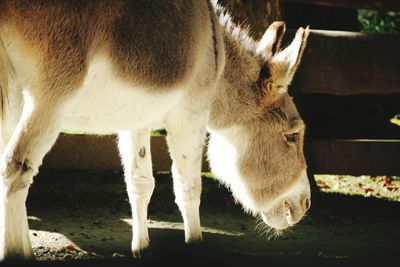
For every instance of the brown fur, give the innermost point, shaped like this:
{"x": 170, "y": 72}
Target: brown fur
{"x": 67, "y": 33}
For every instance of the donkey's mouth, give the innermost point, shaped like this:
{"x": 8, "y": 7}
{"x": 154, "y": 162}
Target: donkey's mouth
{"x": 277, "y": 221}
{"x": 282, "y": 216}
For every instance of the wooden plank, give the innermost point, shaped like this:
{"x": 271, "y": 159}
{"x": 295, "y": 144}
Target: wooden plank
{"x": 321, "y": 17}
{"x": 353, "y": 157}
{"x": 81, "y": 152}
{"x": 257, "y": 14}
{"x": 91, "y": 152}
{"x": 356, "y": 157}
{"x": 386, "y": 5}
{"x": 349, "y": 63}
{"x": 349, "y": 117}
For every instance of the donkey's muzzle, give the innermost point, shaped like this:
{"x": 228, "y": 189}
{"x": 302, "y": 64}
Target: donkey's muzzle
{"x": 291, "y": 208}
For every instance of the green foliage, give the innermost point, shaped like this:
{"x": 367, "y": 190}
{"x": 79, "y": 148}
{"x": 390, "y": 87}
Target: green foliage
{"x": 160, "y": 132}
{"x": 382, "y": 22}
{"x": 396, "y": 120}
{"x": 368, "y": 186}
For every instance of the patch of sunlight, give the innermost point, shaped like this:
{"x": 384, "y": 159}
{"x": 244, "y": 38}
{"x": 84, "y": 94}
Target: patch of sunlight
{"x": 386, "y": 187}
{"x": 396, "y": 120}
{"x": 53, "y": 240}
{"x": 34, "y": 218}
{"x": 208, "y": 175}
{"x": 163, "y": 173}
{"x": 72, "y": 132}
{"x": 159, "y": 133}
{"x": 179, "y": 226}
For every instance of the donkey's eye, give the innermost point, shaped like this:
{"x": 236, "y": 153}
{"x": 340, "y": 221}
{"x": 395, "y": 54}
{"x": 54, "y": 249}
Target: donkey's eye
{"x": 291, "y": 138}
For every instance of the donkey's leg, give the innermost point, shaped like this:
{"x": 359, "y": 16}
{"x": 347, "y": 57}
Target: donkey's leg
{"x": 185, "y": 140}
{"x": 136, "y": 158}
{"x": 35, "y": 133}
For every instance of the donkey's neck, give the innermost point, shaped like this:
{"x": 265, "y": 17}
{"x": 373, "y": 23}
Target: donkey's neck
{"x": 236, "y": 99}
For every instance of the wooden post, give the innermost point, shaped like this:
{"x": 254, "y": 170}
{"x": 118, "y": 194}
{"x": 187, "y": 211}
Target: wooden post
{"x": 258, "y": 14}
{"x": 384, "y": 5}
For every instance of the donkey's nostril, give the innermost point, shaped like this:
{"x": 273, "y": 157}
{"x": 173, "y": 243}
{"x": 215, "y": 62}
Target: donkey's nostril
{"x": 307, "y": 203}
{"x": 287, "y": 208}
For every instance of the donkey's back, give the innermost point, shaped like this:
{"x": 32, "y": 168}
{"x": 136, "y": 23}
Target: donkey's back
{"x": 108, "y": 59}
{"x": 153, "y": 44}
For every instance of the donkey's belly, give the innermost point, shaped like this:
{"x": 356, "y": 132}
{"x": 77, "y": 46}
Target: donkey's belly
{"x": 106, "y": 104}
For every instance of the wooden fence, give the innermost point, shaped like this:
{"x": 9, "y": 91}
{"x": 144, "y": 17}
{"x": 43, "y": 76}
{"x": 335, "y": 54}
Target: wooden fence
{"x": 387, "y": 5}
{"x": 337, "y": 65}
{"x": 362, "y": 69}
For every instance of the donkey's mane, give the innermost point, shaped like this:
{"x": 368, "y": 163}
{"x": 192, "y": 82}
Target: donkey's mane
{"x": 240, "y": 33}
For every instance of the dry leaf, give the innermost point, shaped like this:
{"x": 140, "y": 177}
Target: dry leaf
{"x": 322, "y": 185}
{"x": 392, "y": 187}
{"x": 70, "y": 247}
{"x": 368, "y": 190}
{"x": 387, "y": 181}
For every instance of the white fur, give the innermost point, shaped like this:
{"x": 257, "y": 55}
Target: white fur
{"x": 135, "y": 154}
{"x": 223, "y": 150}
{"x": 14, "y": 226}
{"x": 186, "y": 134}
{"x": 279, "y": 216}
{"x": 106, "y": 104}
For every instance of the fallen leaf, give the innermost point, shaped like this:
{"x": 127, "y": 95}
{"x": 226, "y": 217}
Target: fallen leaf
{"x": 70, "y": 247}
{"x": 387, "y": 181}
{"x": 368, "y": 190}
{"x": 322, "y": 185}
{"x": 392, "y": 187}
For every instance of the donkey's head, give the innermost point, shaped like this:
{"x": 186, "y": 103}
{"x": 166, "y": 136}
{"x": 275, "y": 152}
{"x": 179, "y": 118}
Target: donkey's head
{"x": 268, "y": 176}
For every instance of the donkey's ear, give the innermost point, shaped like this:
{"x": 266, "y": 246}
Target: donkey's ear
{"x": 285, "y": 63}
{"x": 277, "y": 73}
{"x": 270, "y": 43}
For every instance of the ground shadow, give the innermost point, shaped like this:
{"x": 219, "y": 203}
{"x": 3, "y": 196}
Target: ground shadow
{"x": 91, "y": 210}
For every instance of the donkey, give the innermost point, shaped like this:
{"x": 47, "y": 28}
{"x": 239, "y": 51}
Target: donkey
{"x": 126, "y": 67}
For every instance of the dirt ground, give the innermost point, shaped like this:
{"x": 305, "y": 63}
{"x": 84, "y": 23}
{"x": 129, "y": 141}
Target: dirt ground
{"x": 84, "y": 218}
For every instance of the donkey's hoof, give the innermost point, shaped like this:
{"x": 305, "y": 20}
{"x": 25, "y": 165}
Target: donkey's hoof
{"x": 194, "y": 240}
{"x": 142, "y": 253}
{"x": 195, "y": 244}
